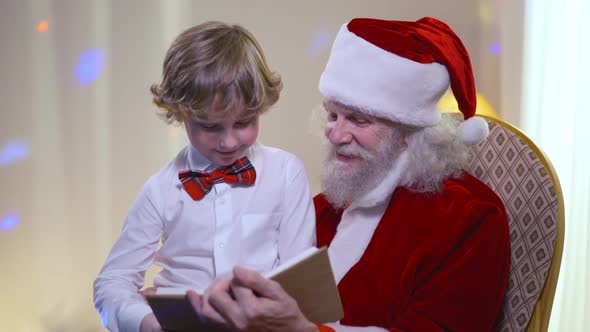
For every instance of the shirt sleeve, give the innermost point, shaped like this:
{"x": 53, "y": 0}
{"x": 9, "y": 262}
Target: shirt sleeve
{"x": 297, "y": 227}
{"x": 119, "y": 305}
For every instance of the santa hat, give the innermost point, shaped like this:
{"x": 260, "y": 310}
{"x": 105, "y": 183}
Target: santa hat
{"x": 398, "y": 70}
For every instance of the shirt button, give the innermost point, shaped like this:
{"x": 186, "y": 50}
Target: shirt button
{"x": 221, "y": 245}
{"x": 221, "y": 201}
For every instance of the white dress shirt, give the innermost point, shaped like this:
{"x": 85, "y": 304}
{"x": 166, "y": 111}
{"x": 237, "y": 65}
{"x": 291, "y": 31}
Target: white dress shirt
{"x": 254, "y": 226}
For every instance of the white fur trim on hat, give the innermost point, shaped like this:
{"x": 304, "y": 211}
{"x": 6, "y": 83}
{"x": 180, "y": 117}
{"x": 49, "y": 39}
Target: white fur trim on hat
{"x": 473, "y": 130}
{"x": 381, "y": 83}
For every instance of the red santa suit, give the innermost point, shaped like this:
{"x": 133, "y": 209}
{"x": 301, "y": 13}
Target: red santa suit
{"x": 421, "y": 262}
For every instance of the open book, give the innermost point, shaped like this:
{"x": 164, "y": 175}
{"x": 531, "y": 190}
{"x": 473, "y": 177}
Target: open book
{"x": 307, "y": 277}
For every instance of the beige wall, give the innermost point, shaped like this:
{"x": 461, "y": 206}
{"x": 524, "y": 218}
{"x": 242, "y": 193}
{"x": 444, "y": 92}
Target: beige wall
{"x": 92, "y": 146}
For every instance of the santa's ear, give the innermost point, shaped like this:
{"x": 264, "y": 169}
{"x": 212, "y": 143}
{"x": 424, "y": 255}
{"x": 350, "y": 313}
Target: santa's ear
{"x": 403, "y": 134}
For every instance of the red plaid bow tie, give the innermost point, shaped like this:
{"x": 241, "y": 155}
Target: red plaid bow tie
{"x": 197, "y": 184}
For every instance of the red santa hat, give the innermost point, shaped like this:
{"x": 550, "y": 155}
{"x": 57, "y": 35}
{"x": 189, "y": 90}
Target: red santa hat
{"x": 398, "y": 70}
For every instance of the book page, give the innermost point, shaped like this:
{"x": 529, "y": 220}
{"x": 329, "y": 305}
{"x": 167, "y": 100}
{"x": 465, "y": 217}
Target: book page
{"x": 177, "y": 291}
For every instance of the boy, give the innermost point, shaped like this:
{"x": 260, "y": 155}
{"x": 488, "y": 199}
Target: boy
{"x": 225, "y": 200}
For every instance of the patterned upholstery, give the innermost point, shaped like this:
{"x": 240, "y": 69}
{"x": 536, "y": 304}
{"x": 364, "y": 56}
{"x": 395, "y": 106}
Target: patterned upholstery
{"x": 514, "y": 170}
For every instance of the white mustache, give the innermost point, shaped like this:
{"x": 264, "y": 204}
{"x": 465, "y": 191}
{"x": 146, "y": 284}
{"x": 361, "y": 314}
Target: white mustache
{"x": 351, "y": 149}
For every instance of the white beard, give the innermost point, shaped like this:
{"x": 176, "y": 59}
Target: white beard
{"x": 343, "y": 183}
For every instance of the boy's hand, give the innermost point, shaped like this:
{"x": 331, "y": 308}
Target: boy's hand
{"x": 149, "y": 323}
{"x": 150, "y": 290}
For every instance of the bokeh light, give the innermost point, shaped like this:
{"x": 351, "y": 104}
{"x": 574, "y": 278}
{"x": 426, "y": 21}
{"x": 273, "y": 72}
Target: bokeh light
{"x": 486, "y": 14}
{"x": 13, "y": 152}
{"x": 89, "y": 66}
{"x": 320, "y": 41}
{"x": 9, "y": 222}
{"x": 496, "y": 47}
{"x": 43, "y": 26}
{"x": 448, "y": 103}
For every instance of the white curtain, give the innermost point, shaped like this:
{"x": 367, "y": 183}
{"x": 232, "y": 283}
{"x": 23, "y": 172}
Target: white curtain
{"x": 79, "y": 134}
{"x": 556, "y": 116}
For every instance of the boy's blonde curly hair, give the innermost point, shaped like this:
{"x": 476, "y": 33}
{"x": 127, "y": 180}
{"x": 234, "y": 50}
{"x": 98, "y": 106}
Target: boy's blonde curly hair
{"x": 215, "y": 61}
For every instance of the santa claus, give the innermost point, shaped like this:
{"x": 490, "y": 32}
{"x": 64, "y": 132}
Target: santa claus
{"x": 416, "y": 243}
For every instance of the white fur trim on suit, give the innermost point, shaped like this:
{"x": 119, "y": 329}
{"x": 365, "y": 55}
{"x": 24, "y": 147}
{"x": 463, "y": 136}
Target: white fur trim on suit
{"x": 381, "y": 83}
{"x": 360, "y": 219}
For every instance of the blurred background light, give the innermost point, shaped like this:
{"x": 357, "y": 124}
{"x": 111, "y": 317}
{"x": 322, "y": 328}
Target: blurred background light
{"x": 486, "y": 15}
{"x": 320, "y": 41}
{"x": 13, "y": 152}
{"x": 496, "y": 47}
{"x": 9, "y": 222}
{"x": 43, "y": 26}
{"x": 448, "y": 103}
{"x": 89, "y": 66}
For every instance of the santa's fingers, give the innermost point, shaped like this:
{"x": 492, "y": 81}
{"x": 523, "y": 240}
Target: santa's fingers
{"x": 256, "y": 282}
{"x": 219, "y": 286}
{"x": 227, "y": 305}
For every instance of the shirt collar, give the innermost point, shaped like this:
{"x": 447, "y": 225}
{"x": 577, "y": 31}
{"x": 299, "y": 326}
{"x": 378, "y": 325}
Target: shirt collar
{"x": 197, "y": 161}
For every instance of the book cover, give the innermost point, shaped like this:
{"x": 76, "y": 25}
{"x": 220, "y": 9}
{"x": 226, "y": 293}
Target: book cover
{"x": 307, "y": 277}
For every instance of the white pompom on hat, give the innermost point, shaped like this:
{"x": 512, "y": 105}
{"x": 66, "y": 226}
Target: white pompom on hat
{"x": 399, "y": 70}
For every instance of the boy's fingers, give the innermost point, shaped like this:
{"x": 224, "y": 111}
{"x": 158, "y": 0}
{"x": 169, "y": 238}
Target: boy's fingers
{"x": 147, "y": 291}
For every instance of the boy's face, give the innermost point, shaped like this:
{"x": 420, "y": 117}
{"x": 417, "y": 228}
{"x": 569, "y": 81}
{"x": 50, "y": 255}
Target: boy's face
{"x": 223, "y": 138}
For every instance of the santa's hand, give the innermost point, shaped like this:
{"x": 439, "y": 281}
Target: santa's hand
{"x": 204, "y": 310}
{"x": 259, "y": 304}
